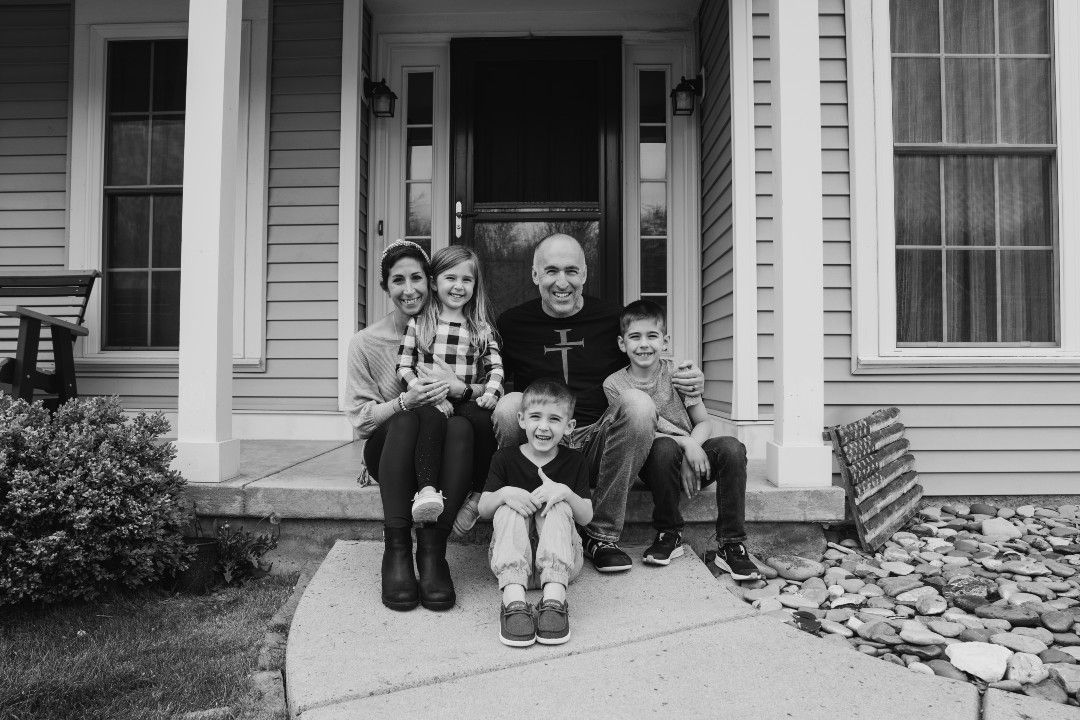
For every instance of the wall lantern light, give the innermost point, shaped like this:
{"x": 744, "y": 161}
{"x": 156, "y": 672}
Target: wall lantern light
{"x": 684, "y": 96}
{"x": 381, "y": 98}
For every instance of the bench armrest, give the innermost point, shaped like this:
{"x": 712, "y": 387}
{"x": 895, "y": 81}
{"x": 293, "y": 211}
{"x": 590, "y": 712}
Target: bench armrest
{"x": 21, "y": 312}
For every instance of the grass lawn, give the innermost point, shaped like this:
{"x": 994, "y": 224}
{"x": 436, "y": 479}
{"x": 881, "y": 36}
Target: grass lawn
{"x": 148, "y": 655}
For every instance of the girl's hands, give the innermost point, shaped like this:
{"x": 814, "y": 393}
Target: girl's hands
{"x": 445, "y": 407}
{"x": 426, "y": 391}
{"x": 487, "y": 401}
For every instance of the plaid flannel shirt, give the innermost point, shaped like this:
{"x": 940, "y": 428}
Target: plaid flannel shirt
{"x": 453, "y": 346}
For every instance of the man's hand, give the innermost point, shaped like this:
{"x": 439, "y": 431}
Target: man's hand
{"x": 519, "y": 500}
{"x": 487, "y": 401}
{"x": 688, "y": 379}
{"x": 549, "y": 493}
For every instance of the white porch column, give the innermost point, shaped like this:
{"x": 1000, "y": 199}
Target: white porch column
{"x": 206, "y": 451}
{"x": 797, "y": 456}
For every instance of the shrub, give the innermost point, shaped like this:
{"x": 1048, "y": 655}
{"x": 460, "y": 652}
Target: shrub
{"x": 87, "y": 500}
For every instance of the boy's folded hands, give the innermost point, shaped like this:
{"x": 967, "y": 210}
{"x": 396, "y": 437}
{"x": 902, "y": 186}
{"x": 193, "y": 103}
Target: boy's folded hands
{"x": 520, "y": 500}
{"x": 550, "y": 492}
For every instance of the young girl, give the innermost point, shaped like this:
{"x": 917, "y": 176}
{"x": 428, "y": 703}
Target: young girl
{"x": 455, "y": 333}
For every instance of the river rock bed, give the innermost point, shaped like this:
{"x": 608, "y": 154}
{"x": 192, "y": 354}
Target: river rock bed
{"x": 970, "y": 592}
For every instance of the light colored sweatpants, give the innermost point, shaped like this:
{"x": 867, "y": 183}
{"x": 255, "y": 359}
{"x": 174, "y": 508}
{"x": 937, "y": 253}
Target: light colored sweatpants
{"x": 552, "y": 540}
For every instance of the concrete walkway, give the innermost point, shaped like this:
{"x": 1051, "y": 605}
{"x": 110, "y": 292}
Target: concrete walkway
{"x": 655, "y": 642}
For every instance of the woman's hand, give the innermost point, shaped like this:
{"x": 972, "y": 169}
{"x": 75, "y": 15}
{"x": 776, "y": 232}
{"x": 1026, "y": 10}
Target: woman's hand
{"x": 688, "y": 379}
{"x": 444, "y": 373}
{"x": 445, "y": 407}
{"x": 426, "y": 391}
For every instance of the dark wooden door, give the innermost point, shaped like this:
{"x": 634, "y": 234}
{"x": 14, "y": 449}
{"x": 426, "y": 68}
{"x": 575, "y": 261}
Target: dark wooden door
{"x": 535, "y": 129}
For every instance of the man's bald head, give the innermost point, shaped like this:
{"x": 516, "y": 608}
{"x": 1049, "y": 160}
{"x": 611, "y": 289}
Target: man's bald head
{"x": 559, "y": 273}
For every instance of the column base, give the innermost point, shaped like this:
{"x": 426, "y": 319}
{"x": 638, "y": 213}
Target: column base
{"x": 207, "y": 462}
{"x": 798, "y": 465}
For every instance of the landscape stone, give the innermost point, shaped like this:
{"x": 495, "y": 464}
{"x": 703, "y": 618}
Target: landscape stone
{"x": 1066, "y": 639}
{"x": 898, "y": 568}
{"x": 880, "y": 632}
{"x": 1019, "y": 643}
{"x": 969, "y": 586}
{"x": 997, "y": 527}
{"x": 981, "y": 508}
{"x": 915, "y": 633}
{"x": 794, "y": 567}
{"x": 1056, "y": 621}
{"x": 1053, "y": 655}
{"x": 975, "y": 635}
{"x": 893, "y": 586}
{"x": 945, "y": 628}
{"x": 1025, "y": 567}
{"x": 921, "y": 668}
{"x": 1048, "y": 689}
{"x": 1067, "y": 675}
{"x": 985, "y": 661}
{"x": 1039, "y": 633}
{"x": 836, "y": 628}
{"x": 1007, "y": 685}
{"x": 921, "y": 652}
{"x": 944, "y": 668}
{"x": 1012, "y": 615}
{"x": 797, "y": 601}
{"x": 931, "y": 605}
{"x": 1026, "y": 668}
{"x": 913, "y": 596}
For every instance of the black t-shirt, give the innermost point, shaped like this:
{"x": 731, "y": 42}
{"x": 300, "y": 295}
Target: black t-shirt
{"x": 580, "y": 349}
{"x": 510, "y": 468}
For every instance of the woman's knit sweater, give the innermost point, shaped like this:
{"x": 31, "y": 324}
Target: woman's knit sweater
{"x": 372, "y": 388}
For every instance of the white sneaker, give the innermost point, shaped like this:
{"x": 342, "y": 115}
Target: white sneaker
{"x": 427, "y": 505}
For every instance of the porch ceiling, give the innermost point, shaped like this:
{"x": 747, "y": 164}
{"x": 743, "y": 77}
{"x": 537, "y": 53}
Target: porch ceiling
{"x": 423, "y": 7}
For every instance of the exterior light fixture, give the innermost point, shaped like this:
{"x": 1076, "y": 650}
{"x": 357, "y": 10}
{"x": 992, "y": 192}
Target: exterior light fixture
{"x": 684, "y": 96}
{"x": 381, "y": 98}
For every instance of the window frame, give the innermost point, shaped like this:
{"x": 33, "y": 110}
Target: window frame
{"x": 87, "y": 194}
{"x": 873, "y": 239}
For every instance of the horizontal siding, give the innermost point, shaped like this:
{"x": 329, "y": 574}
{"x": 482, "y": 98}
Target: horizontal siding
{"x": 717, "y": 306}
{"x": 972, "y": 434}
{"x": 35, "y": 50}
{"x": 764, "y": 142}
{"x": 302, "y": 222}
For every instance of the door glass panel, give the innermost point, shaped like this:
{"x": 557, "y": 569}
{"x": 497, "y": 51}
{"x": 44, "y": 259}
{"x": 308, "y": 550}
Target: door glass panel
{"x": 419, "y": 150}
{"x": 507, "y": 248}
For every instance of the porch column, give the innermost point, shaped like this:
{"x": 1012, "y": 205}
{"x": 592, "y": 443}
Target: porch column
{"x": 797, "y": 456}
{"x": 206, "y": 451}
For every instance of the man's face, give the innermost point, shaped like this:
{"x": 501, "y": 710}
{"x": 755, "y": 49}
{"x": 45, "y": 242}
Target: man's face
{"x": 559, "y": 272}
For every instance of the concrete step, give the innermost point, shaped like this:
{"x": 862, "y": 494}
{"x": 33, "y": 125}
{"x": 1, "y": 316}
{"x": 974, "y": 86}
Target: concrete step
{"x": 278, "y": 478}
{"x": 655, "y": 642}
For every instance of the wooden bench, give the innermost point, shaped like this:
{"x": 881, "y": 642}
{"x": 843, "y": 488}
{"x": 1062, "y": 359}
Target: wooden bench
{"x": 28, "y": 301}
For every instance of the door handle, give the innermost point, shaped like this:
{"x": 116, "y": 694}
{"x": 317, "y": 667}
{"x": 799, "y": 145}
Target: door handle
{"x": 459, "y": 214}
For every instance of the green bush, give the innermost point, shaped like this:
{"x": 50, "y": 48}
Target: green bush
{"x": 87, "y": 501}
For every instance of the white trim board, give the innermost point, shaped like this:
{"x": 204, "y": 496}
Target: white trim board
{"x": 269, "y": 425}
{"x": 348, "y": 270}
{"x": 87, "y": 172}
{"x": 874, "y": 347}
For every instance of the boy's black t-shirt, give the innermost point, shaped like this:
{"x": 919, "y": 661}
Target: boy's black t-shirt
{"x": 580, "y": 349}
{"x": 510, "y": 468}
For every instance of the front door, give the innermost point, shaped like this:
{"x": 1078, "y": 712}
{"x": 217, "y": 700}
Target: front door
{"x": 535, "y": 150}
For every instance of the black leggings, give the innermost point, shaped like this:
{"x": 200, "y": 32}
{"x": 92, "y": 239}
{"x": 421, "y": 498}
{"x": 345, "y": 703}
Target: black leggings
{"x": 483, "y": 439}
{"x": 406, "y": 452}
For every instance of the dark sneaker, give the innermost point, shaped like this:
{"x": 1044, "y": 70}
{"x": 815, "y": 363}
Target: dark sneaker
{"x": 552, "y": 622}
{"x": 733, "y": 558}
{"x": 517, "y": 625}
{"x": 606, "y": 556}
{"x": 666, "y": 547}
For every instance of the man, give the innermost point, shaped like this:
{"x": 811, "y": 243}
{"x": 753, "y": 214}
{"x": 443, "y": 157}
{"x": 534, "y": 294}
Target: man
{"x": 572, "y": 336}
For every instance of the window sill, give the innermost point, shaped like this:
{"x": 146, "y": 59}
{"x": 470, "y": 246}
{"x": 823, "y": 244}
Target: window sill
{"x": 1065, "y": 363}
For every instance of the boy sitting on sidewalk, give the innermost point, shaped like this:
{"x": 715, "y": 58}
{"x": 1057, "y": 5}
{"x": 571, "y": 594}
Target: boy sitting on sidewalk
{"x": 683, "y": 456}
{"x": 535, "y": 493}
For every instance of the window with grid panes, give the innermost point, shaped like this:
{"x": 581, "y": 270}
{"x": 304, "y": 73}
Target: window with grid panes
{"x": 974, "y": 160}
{"x": 144, "y": 167}
{"x": 419, "y": 103}
{"x": 653, "y": 184}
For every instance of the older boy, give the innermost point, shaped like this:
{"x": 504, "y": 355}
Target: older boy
{"x": 535, "y": 493}
{"x": 683, "y": 457}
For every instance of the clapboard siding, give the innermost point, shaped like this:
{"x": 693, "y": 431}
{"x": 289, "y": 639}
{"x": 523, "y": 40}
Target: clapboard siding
{"x": 717, "y": 306}
{"x": 301, "y": 253}
{"x": 764, "y": 204}
{"x": 35, "y": 50}
{"x": 972, "y": 434}
{"x": 362, "y": 181}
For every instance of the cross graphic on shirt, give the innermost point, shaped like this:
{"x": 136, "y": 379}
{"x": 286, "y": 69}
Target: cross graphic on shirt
{"x": 563, "y": 346}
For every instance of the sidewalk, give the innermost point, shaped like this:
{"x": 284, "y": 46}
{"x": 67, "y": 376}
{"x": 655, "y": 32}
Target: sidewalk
{"x": 654, "y": 642}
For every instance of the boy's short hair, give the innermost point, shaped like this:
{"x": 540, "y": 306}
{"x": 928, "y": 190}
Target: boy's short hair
{"x": 549, "y": 390}
{"x": 642, "y": 310}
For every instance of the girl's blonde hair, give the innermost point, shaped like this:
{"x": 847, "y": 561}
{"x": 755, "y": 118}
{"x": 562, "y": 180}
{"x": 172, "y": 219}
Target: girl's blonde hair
{"x": 477, "y": 316}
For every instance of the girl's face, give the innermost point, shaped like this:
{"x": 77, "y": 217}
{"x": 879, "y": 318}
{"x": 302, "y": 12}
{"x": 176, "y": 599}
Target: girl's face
{"x": 407, "y": 285}
{"x": 455, "y": 286}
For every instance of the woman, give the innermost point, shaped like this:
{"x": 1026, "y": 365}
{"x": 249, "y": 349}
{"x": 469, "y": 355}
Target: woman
{"x": 405, "y": 435}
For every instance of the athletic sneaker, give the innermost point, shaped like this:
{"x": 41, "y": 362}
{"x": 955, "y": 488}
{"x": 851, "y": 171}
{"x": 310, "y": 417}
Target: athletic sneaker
{"x": 733, "y": 558}
{"x": 552, "y": 622}
{"x": 517, "y": 625}
{"x": 467, "y": 515}
{"x": 427, "y": 505}
{"x": 666, "y": 547}
{"x": 606, "y": 556}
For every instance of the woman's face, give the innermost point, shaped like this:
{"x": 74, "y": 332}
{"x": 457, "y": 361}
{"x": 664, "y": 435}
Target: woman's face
{"x": 407, "y": 285}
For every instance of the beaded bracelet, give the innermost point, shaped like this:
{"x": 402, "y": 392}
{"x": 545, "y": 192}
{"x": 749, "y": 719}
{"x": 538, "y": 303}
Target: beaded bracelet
{"x": 401, "y": 402}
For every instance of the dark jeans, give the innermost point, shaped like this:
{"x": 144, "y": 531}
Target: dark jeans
{"x": 727, "y": 468}
{"x": 406, "y": 453}
{"x": 483, "y": 440}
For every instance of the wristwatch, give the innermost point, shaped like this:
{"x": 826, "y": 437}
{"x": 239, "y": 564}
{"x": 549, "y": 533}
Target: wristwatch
{"x": 467, "y": 395}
